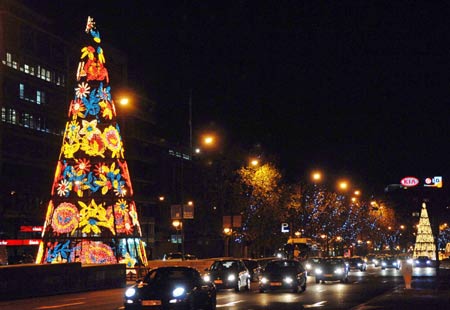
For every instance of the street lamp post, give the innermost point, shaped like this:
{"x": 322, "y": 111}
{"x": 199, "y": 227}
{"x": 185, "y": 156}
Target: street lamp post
{"x": 227, "y": 232}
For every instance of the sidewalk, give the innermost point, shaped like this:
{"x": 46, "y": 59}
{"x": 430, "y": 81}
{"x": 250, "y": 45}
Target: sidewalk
{"x": 426, "y": 294}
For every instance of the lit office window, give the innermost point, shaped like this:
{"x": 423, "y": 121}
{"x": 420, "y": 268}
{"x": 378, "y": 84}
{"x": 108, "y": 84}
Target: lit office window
{"x": 21, "y": 91}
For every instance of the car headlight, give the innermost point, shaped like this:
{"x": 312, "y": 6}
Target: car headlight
{"x": 359, "y": 264}
{"x": 207, "y": 278}
{"x": 383, "y": 264}
{"x": 231, "y": 277}
{"x": 339, "y": 270}
{"x": 416, "y": 261}
{"x": 130, "y": 292}
{"x": 288, "y": 280}
{"x": 410, "y": 261}
{"x": 318, "y": 271}
{"x": 428, "y": 262}
{"x": 178, "y": 291}
{"x": 308, "y": 266}
{"x": 264, "y": 280}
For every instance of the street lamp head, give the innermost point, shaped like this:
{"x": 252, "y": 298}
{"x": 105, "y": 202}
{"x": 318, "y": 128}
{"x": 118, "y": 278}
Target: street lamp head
{"x": 227, "y": 231}
{"x": 254, "y": 162}
{"x": 161, "y": 198}
{"x": 124, "y": 101}
{"x": 177, "y": 224}
{"x": 316, "y": 176}
{"x": 343, "y": 185}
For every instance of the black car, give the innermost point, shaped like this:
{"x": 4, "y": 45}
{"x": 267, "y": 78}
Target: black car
{"x": 228, "y": 273}
{"x": 310, "y": 264}
{"x": 171, "y": 288}
{"x": 390, "y": 262}
{"x": 283, "y": 274}
{"x": 253, "y": 268}
{"x": 331, "y": 269}
{"x": 357, "y": 262}
{"x": 423, "y": 261}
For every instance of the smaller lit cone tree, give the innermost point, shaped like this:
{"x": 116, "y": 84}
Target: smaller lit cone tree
{"x": 91, "y": 217}
{"x": 424, "y": 245}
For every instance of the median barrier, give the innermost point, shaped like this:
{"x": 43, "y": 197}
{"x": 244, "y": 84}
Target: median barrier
{"x": 30, "y": 280}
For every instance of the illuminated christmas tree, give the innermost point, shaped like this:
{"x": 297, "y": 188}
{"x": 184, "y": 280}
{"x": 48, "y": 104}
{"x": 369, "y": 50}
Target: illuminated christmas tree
{"x": 424, "y": 239}
{"x": 91, "y": 217}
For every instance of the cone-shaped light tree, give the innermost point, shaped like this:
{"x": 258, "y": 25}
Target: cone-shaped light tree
{"x": 424, "y": 245}
{"x": 91, "y": 217}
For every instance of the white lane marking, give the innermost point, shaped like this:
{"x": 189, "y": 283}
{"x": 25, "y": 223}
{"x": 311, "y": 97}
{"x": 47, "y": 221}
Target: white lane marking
{"x": 61, "y": 306}
{"x": 316, "y": 305}
{"x": 230, "y": 304}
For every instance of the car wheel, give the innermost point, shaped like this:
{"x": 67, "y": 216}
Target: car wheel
{"x": 261, "y": 290}
{"x": 238, "y": 286}
{"x": 382, "y": 268}
{"x": 317, "y": 280}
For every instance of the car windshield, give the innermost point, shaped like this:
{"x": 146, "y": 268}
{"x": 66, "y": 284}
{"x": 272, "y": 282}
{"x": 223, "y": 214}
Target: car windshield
{"x": 223, "y": 265}
{"x": 170, "y": 275}
{"x": 332, "y": 261}
{"x": 276, "y": 265}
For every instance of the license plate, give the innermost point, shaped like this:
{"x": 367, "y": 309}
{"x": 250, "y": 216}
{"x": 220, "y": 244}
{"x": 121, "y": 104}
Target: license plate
{"x": 151, "y": 302}
{"x": 328, "y": 275}
{"x": 275, "y": 283}
{"x": 218, "y": 281}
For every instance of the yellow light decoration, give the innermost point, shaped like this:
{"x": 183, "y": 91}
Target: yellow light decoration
{"x": 93, "y": 216}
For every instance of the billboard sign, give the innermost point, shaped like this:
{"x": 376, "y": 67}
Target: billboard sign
{"x": 433, "y": 182}
{"x": 409, "y": 181}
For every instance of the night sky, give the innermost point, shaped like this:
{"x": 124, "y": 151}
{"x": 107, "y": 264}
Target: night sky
{"x": 360, "y": 88}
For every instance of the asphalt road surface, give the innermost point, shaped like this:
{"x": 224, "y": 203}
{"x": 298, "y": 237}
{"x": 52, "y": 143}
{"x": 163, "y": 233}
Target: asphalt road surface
{"x": 362, "y": 287}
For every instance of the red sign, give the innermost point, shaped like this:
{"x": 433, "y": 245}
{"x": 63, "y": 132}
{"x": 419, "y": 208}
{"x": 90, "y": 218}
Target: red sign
{"x": 409, "y": 181}
{"x": 18, "y": 242}
{"x": 31, "y": 228}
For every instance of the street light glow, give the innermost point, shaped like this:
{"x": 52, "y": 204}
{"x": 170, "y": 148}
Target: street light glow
{"x": 124, "y": 101}
{"x": 316, "y": 176}
{"x": 254, "y": 162}
{"x": 343, "y": 185}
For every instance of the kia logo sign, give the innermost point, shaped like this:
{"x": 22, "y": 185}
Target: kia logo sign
{"x": 409, "y": 181}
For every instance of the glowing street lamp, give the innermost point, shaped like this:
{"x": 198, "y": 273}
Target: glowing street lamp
{"x": 316, "y": 176}
{"x": 254, "y": 162}
{"x": 124, "y": 101}
{"x": 343, "y": 185}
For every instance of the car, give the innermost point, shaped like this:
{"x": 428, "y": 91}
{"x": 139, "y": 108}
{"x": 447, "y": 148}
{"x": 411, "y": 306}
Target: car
{"x": 357, "y": 262}
{"x": 310, "y": 264}
{"x": 331, "y": 269}
{"x": 170, "y": 288}
{"x": 390, "y": 262}
{"x": 422, "y": 261}
{"x": 228, "y": 273}
{"x": 283, "y": 274}
{"x": 377, "y": 260}
{"x": 253, "y": 267}
{"x": 178, "y": 256}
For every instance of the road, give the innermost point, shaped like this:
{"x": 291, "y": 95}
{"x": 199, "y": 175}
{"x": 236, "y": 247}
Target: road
{"x": 362, "y": 287}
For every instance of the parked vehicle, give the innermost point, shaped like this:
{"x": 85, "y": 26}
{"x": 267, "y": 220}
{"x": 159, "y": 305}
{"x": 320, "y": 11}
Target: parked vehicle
{"x": 283, "y": 274}
{"x": 228, "y": 273}
{"x": 331, "y": 269}
{"x": 171, "y": 288}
